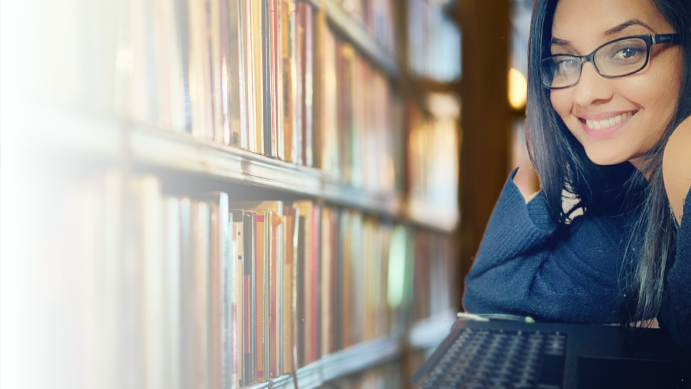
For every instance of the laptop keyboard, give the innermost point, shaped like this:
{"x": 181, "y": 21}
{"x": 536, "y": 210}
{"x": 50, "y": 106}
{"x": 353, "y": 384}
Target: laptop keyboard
{"x": 501, "y": 359}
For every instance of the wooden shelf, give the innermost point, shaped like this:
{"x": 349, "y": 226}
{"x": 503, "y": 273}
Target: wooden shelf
{"x": 100, "y": 139}
{"x": 356, "y": 33}
{"x": 180, "y": 151}
{"x": 339, "y": 364}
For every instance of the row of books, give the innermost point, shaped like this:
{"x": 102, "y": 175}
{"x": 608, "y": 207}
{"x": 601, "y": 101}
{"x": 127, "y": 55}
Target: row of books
{"x": 435, "y": 277}
{"x": 246, "y": 291}
{"x": 434, "y": 41}
{"x": 378, "y": 17}
{"x": 266, "y": 76}
{"x": 141, "y": 284}
{"x": 433, "y": 151}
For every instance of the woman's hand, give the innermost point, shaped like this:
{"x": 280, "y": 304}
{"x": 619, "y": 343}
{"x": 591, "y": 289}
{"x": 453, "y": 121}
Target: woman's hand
{"x": 676, "y": 167}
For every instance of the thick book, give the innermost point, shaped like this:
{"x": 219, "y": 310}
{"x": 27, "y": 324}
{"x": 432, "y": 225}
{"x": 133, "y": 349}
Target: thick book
{"x": 248, "y": 374}
{"x": 275, "y": 290}
{"x": 199, "y": 296}
{"x": 304, "y": 285}
{"x": 305, "y": 24}
{"x": 327, "y": 284}
{"x": 290, "y": 244}
{"x": 172, "y": 330}
{"x": 217, "y": 26}
{"x": 346, "y": 305}
{"x": 260, "y": 278}
{"x": 289, "y": 84}
{"x": 236, "y": 80}
{"x": 267, "y": 81}
{"x": 258, "y": 69}
{"x": 247, "y": 139}
{"x": 146, "y": 191}
{"x": 237, "y": 239}
{"x": 315, "y": 312}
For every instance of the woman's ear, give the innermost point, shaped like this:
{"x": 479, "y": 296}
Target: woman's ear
{"x": 676, "y": 167}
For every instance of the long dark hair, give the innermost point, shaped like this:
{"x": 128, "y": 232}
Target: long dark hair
{"x": 562, "y": 165}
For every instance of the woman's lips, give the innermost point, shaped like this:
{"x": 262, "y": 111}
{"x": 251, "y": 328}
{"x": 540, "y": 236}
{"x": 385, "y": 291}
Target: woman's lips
{"x": 602, "y": 128}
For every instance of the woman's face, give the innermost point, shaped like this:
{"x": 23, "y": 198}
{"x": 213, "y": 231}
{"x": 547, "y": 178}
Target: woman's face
{"x": 640, "y": 105}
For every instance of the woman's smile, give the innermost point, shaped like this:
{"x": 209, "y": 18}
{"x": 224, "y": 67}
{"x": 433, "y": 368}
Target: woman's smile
{"x": 604, "y": 125}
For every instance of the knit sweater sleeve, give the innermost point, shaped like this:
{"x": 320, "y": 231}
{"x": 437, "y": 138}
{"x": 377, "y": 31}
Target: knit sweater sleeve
{"x": 524, "y": 268}
{"x": 675, "y": 313}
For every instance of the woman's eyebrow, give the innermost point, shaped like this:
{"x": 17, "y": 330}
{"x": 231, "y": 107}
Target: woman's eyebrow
{"x": 559, "y": 42}
{"x": 611, "y": 31}
{"x": 626, "y": 24}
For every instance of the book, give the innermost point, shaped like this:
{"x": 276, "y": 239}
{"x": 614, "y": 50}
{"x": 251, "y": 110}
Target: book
{"x": 172, "y": 327}
{"x": 305, "y": 21}
{"x": 248, "y": 139}
{"x": 300, "y": 281}
{"x": 248, "y": 303}
{"x": 290, "y": 240}
{"x": 236, "y": 81}
{"x": 220, "y": 287}
{"x": 237, "y": 219}
{"x": 289, "y": 80}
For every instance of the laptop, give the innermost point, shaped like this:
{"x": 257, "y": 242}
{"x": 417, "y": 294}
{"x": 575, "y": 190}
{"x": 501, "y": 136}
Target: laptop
{"x": 509, "y": 354}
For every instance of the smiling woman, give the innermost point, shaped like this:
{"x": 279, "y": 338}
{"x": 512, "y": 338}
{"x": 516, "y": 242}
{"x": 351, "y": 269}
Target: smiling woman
{"x": 609, "y": 95}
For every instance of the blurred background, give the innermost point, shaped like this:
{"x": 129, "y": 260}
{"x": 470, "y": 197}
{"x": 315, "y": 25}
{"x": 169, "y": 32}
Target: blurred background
{"x": 248, "y": 193}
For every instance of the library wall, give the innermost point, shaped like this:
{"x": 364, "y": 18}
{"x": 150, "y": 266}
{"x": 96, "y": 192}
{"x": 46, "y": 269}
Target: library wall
{"x": 226, "y": 193}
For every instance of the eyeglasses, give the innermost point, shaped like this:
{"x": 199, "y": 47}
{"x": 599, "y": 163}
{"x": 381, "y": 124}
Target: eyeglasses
{"x": 618, "y": 58}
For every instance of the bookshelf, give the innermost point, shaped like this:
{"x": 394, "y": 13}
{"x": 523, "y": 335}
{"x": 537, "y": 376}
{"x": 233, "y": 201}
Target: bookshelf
{"x": 119, "y": 178}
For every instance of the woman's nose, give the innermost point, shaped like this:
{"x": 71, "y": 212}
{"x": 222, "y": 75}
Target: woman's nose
{"x": 592, "y": 88}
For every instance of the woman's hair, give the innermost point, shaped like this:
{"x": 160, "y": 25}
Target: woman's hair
{"x": 562, "y": 165}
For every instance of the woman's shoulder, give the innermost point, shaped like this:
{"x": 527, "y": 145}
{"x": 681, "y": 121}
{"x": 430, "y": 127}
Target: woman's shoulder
{"x": 676, "y": 167}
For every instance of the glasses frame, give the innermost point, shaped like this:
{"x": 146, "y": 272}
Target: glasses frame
{"x": 650, "y": 40}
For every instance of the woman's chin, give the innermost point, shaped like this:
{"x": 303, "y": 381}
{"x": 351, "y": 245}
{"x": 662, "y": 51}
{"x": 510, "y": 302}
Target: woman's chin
{"x": 604, "y": 159}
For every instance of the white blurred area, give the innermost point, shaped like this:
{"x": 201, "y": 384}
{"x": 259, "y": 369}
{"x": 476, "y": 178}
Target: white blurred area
{"x": 59, "y": 241}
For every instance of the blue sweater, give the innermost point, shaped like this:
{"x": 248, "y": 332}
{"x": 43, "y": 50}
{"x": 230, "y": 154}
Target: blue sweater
{"x": 523, "y": 268}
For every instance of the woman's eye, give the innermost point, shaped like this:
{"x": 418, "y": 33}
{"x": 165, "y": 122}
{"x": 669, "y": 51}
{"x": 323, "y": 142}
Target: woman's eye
{"x": 567, "y": 64}
{"x": 628, "y": 52}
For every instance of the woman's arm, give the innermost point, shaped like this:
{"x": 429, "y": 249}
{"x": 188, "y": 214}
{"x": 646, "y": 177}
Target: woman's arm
{"x": 675, "y": 313}
{"x": 524, "y": 268}
{"x": 676, "y": 167}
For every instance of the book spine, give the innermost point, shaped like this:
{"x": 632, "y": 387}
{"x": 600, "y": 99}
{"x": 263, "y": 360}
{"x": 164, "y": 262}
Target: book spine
{"x": 307, "y": 125}
{"x": 236, "y": 78}
{"x": 267, "y": 86}
{"x": 172, "y": 283}
{"x": 316, "y": 284}
{"x": 300, "y": 286}
{"x": 248, "y": 300}
{"x": 274, "y": 301}
{"x": 287, "y": 316}
{"x": 236, "y": 299}
{"x": 259, "y": 277}
{"x": 218, "y": 44}
{"x": 258, "y": 68}
{"x": 273, "y": 48}
{"x": 208, "y": 104}
{"x": 299, "y": 81}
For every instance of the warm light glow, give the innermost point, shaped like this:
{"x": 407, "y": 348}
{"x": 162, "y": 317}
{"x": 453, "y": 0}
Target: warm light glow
{"x": 518, "y": 89}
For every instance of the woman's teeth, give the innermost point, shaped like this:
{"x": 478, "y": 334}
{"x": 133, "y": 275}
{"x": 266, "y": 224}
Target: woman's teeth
{"x": 606, "y": 123}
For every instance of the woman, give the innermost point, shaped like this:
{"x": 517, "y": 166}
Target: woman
{"x": 609, "y": 97}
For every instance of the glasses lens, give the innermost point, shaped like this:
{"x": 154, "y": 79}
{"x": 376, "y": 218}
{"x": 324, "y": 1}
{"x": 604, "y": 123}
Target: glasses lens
{"x": 560, "y": 71}
{"x": 622, "y": 57}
